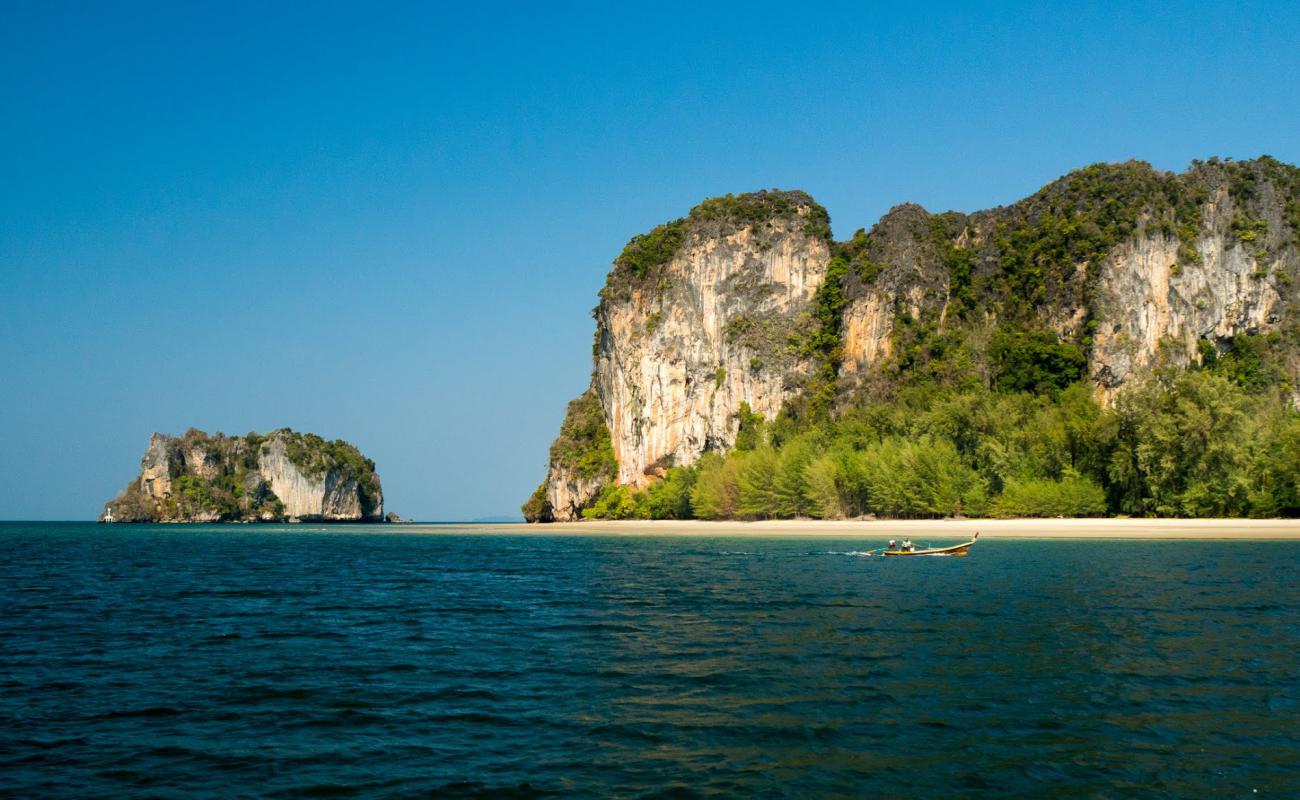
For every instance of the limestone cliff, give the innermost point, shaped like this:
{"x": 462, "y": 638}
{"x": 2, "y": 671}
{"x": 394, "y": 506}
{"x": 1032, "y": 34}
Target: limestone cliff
{"x": 697, "y": 317}
{"x": 677, "y": 355}
{"x": 282, "y": 475}
{"x": 1152, "y": 309}
{"x": 1137, "y": 268}
{"x": 1115, "y": 268}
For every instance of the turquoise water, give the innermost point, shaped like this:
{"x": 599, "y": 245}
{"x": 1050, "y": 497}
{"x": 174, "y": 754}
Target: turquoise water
{"x": 172, "y": 661}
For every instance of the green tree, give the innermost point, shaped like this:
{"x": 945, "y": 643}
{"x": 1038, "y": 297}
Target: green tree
{"x": 1188, "y": 444}
{"x": 750, "y": 429}
{"x": 792, "y": 496}
{"x": 669, "y": 497}
{"x": 1275, "y": 472}
{"x": 925, "y": 478}
{"x": 1034, "y": 361}
{"x": 758, "y": 498}
{"x": 822, "y": 492}
{"x": 613, "y": 502}
{"x": 1071, "y": 496}
{"x": 717, "y": 488}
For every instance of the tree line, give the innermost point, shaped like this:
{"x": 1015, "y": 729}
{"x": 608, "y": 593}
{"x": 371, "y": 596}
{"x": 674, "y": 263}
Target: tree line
{"x": 1194, "y": 443}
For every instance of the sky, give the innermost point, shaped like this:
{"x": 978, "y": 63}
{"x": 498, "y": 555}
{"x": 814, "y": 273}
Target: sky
{"x": 387, "y": 222}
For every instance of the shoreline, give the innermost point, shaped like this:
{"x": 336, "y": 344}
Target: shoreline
{"x": 1075, "y": 528}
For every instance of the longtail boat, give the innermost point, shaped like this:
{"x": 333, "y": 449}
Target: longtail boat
{"x": 955, "y": 550}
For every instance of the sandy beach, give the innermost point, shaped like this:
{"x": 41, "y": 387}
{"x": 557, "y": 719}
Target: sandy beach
{"x": 1277, "y": 529}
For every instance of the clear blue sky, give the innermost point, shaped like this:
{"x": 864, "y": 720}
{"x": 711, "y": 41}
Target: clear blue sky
{"x": 387, "y": 223}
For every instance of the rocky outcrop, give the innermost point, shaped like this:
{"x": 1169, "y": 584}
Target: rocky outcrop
{"x": 155, "y": 479}
{"x": 582, "y": 461}
{"x": 869, "y": 331}
{"x": 698, "y": 317}
{"x": 1141, "y": 269}
{"x": 1154, "y": 310}
{"x": 675, "y": 361}
{"x": 322, "y": 494}
{"x": 280, "y": 476}
{"x": 567, "y": 493}
{"x": 1106, "y": 273}
{"x": 894, "y": 276}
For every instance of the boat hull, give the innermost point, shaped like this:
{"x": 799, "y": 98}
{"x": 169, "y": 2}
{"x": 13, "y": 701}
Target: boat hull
{"x": 956, "y": 550}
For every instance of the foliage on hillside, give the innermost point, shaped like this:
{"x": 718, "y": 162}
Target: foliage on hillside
{"x": 1183, "y": 443}
{"x": 537, "y": 507}
{"x": 584, "y": 448}
{"x": 1080, "y": 218}
{"x": 733, "y": 211}
{"x": 1034, "y": 361}
{"x": 998, "y": 283}
{"x": 648, "y": 251}
{"x": 584, "y": 451}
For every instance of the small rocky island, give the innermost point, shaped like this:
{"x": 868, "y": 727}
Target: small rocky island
{"x": 281, "y": 476}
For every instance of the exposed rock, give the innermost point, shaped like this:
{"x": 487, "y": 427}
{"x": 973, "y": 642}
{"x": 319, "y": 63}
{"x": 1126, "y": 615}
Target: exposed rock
{"x": 711, "y": 321}
{"x": 282, "y": 475}
{"x": 868, "y": 331}
{"x": 721, "y": 337}
{"x": 569, "y": 492}
{"x": 1152, "y": 310}
{"x": 894, "y": 274}
{"x": 328, "y": 494}
{"x": 1208, "y": 255}
{"x": 155, "y": 467}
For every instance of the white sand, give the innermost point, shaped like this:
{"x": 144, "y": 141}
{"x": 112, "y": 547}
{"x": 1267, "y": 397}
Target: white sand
{"x": 915, "y": 529}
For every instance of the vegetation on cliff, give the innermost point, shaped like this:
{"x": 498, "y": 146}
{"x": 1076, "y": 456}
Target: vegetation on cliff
{"x": 583, "y": 448}
{"x": 981, "y": 401}
{"x": 1077, "y": 220}
{"x": 210, "y": 477}
{"x": 641, "y": 264}
{"x": 735, "y": 211}
{"x": 582, "y": 452}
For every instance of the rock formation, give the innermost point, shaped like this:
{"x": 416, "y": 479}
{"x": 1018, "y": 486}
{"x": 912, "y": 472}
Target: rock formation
{"x": 282, "y": 475}
{"x": 680, "y": 349}
{"x": 748, "y": 302}
{"x": 1150, "y": 307}
{"x": 697, "y": 317}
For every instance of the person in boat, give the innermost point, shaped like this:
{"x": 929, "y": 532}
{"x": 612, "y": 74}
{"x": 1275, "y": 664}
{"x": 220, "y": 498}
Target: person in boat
{"x": 893, "y": 544}
{"x": 908, "y": 546}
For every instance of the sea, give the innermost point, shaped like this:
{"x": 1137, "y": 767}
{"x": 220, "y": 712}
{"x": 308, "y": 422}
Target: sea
{"x": 299, "y": 661}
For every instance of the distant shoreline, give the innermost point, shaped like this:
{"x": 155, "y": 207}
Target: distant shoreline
{"x": 1101, "y": 528}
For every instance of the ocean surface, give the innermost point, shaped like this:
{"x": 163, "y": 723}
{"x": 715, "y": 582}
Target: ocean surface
{"x": 248, "y": 661}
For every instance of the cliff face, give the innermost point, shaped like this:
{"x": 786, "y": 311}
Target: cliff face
{"x": 1152, "y": 310}
{"x": 282, "y": 475}
{"x": 697, "y": 317}
{"x": 894, "y": 276}
{"x": 1139, "y": 269}
{"x": 675, "y": 360}
{"x": 1117, "y": 268}
{"x": 328, "y": 494}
